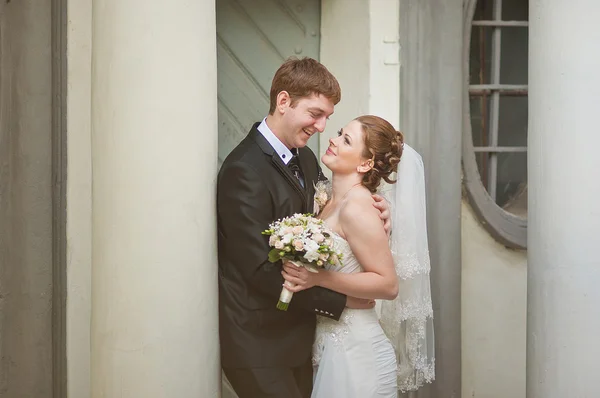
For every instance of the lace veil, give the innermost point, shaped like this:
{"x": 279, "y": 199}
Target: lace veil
{"x": 408, "y": 320}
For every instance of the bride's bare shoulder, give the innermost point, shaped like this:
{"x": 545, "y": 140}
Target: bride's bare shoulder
{"x": 359, "y": 203}
{"x": 359, "y": 219}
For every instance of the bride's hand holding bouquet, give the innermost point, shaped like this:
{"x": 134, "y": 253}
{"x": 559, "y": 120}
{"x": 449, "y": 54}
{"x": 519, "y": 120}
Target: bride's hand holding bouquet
{"x": 303, "y": 241}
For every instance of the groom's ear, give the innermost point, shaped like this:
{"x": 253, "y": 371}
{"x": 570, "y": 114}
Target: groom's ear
{"x": 284, "y": 101}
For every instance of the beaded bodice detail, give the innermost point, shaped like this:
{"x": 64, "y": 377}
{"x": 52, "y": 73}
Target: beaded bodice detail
{"x": 332, "y": 330}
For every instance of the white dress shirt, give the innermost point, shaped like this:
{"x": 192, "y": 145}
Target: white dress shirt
{"x": 284, "y": 153}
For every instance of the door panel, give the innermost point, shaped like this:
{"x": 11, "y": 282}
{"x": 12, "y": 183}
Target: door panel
{"x": 253, "y": 38}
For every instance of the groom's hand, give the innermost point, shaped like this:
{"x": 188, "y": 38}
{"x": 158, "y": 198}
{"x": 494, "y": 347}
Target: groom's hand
{"x": 384, "y": 208}
{"x": 359, "y": 304}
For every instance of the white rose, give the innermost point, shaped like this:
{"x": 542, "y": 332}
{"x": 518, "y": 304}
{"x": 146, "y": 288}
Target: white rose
{"x": 319, "y": 238}
{"x": 298, "y": 245}
{"x": 311, "y": 255}
{"x": 278, "y": 244}
{"x": 311, "y": 248}
{"x": 334, "y": 259}
{"x": 311, "y": 245}
{"x": 297, "y": 230}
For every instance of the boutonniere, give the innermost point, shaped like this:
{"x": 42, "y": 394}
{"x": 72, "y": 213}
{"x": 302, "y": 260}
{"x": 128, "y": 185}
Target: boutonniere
{"x": 322, "y": 196}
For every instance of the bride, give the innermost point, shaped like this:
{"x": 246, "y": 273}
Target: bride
{"x": 364, "y": 355}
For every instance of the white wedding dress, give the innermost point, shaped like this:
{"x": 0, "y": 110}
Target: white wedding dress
{"x": 352, "y": 357}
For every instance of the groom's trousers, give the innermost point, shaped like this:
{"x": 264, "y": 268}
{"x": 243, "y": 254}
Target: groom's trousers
{"x": 277, "y": 382}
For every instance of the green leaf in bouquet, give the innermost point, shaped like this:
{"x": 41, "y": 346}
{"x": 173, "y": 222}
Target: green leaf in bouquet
{"x": 275, "y": 255}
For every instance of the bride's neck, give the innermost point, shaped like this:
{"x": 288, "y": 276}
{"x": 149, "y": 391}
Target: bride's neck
{"x": 342, "y": 184}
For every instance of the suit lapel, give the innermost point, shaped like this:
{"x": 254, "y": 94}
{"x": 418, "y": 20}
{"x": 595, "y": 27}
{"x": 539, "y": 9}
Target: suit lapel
{"x": 277, "y": 162}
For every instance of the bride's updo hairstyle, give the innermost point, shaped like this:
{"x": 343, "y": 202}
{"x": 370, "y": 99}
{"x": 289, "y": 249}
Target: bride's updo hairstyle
{"x": 383, "y": 145}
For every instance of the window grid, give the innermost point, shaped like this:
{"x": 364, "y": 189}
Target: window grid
{"x": 508, "y": 228}
{"x": 489, "y": 172}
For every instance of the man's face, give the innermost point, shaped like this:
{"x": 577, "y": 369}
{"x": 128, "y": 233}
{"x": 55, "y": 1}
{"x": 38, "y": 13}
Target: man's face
{"x": 308, "y": 116}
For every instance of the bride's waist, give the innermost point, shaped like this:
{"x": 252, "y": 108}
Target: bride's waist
{"x": 349, "y": 316}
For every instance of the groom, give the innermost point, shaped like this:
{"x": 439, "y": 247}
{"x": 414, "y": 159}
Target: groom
{"x": 269, "y": 175}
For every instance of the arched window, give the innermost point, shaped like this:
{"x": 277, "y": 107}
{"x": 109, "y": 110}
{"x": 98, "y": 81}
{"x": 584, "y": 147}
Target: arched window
{"x": 495, "y": 136}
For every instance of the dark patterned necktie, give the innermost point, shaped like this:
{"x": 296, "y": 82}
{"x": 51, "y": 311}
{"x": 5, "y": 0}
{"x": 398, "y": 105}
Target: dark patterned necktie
{"x": 294, "y": 166}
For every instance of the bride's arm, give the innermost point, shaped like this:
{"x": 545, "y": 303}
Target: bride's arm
{"x": 369, "y": 242}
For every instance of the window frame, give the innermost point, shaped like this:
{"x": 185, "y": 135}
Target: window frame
{"x": 507, "y": 228}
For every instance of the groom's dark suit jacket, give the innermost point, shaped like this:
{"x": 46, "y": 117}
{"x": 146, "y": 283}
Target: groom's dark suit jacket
{"x": 255, "y": 188}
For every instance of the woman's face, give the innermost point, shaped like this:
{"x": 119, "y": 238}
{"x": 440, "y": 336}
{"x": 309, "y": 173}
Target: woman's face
{"x": 345, "y": 152}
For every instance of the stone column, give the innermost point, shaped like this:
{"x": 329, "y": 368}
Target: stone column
{"x": 26, "y": 274}
{"x": 154, "y": 161}
{"x": 432, "y": 109}
{"x": 564, "y": 207}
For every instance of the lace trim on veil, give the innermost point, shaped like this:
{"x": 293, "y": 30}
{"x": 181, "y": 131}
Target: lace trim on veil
{"x": 408, "y": 320}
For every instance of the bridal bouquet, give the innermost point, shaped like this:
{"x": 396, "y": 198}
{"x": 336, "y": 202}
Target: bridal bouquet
{"x": 305, "y": 242}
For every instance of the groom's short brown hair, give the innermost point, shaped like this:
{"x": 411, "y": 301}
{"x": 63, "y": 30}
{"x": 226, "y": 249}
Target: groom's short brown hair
{"x": 301, "y": 78}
